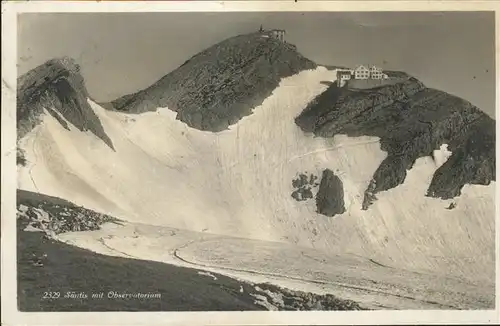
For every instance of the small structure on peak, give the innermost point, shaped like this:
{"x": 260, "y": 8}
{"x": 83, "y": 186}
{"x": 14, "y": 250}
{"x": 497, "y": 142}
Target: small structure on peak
{"x": 278, "y": 34}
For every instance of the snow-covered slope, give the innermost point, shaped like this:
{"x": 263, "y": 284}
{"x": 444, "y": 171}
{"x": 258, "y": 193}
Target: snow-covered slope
{"x": 239, "y": 182}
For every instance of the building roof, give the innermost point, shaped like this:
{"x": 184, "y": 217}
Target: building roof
{"x": 361, "y": 67}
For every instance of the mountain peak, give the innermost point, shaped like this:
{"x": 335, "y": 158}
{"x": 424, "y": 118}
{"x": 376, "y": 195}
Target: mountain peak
{"x": 58, "y": 87}
{"x": 54, "y": 68}
{"x": 223, "y": 83}
{"x": 68, "y": 63}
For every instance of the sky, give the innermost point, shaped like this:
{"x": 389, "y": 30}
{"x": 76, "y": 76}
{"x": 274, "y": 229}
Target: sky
{"x": 120, "y": 53}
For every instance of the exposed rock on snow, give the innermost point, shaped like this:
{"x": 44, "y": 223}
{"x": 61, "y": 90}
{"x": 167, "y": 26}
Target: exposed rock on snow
{"x": 330, "y": 196}
{"x": 303, "y": 193}
{"x": 300, "y": 181}
{"x": 304, "y": 186}
{"x": 452, "y": 206}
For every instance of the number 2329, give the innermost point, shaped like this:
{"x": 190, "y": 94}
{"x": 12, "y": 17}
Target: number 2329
{"x": 51, "y": 295}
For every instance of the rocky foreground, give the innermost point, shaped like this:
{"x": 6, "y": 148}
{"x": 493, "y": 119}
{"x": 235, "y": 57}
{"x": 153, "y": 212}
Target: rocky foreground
{"x": 54, "y": 276}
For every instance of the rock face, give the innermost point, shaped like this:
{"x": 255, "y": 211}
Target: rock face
{"x": 302, "y": 194}
{"x": 411, "y": 121}
{"x": 303, "y": 187}
{"x": 58, "y": 87}
{"x": 220, "y": 85}
{"x": 330, "y": 196}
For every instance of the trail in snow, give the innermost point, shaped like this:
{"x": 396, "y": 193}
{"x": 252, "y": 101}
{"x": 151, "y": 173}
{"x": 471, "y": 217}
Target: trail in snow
{"x": 103, "y": 242}
{"x": 347, "y": 277}
{"x": 366, "y": 142}
{"x": 301, "y": 279}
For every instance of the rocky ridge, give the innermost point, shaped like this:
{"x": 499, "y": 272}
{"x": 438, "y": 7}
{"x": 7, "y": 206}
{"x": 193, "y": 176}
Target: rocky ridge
{"x": 218, "y": 86}
{"x": 411, "y": 121}
{"x": 58, "y": 87}
{"x": 52, "y": 215}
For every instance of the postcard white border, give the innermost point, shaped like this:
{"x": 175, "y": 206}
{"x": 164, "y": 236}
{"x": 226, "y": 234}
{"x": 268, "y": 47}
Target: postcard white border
{"x": 10, "y": 315}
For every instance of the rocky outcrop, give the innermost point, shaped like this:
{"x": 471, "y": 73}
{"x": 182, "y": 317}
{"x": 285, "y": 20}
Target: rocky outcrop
{"x": 411, "y": 122}
{"x": 472, "y": 161}
{"x": 334, "y": 108}
{"x": 220, "y": 85}
{"x": 282, "y": 299}
{"x": 303, "y": 187}
{"x": 302, "y": 194}
{"x": 58, "y": 87}
{"x": 330, "y": 196}
{"x": 53, "y": 215}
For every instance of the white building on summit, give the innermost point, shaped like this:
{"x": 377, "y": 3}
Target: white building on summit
{"x": 375, "y": 72}
{"x": 361, "y": 72}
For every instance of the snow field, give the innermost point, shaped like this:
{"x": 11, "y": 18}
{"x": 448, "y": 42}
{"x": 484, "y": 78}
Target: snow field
{"x": 239, "y": 183}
